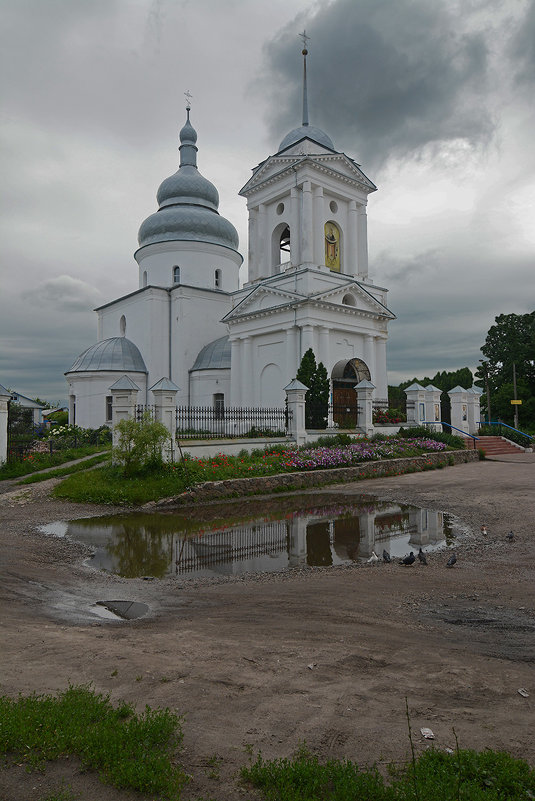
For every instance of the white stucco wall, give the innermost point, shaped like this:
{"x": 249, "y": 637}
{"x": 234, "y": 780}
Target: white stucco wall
{"x": 90, "y": 390}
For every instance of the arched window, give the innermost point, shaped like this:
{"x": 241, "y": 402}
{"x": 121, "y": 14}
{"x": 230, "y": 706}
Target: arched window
{"x": 217, "y": 279}
{"x": 332, "y": 247}
{"x": 176, "y": 274}
{"x": 122, "y": 325}
{"x": 284, "y": 245}
{"x": 349, "y": 300}
{"x": 144, "y": 278}
{"x": 280, "y": 247}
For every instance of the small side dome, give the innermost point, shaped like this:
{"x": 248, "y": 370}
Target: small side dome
{"x": 214, "y": 356}
{"x": 308, "y": 131}
{"x": 115, "y": 354}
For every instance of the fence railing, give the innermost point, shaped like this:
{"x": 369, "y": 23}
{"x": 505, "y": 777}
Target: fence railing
{"x": 214, "y": 422}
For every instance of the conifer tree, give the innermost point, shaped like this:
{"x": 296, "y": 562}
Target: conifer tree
{"x": 314, "y": 376}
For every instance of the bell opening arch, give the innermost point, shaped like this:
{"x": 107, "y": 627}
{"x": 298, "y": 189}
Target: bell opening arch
{"x": 280, "y": 246}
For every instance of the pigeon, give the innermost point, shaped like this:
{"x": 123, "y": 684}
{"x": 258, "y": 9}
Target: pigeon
{"x": 386, "y": 556}
{"x": 373, "y": 559}
{"x": 421, "y": 557}
{"x": 510, "y": 536}
{"x": 451, "y": 561}
{"x": 484, "y": 530}
{"x": 408, "y": 560}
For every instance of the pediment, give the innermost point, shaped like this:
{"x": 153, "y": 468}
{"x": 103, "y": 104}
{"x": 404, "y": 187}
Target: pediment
{"x": 354, "y": 296}
{"x": 261, "y": 299}
{"x": 336, "y": 165}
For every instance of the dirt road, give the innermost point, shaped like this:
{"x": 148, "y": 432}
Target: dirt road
{"x": 325, "y": 655}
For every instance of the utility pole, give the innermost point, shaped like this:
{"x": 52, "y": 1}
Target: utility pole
{"x": 514, "y": 393}
{"x": 486, "y": 380}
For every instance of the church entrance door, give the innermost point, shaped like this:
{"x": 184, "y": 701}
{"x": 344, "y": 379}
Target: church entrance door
{"x": 345, "y": 376}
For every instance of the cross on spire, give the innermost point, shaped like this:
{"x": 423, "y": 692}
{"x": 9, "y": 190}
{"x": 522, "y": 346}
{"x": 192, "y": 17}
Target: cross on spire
{"x": 305, "y": 39}
{"x": 188, "y": 97}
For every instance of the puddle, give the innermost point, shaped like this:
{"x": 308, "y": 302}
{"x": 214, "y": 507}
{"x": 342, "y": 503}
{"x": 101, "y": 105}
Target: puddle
{"x": 120, "y": 610}
{"x": 258, "y": 536}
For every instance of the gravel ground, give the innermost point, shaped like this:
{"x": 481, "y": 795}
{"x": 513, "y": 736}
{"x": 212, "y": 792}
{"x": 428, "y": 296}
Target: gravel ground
{"x": 263, "y": 663}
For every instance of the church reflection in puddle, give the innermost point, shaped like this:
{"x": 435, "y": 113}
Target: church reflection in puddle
{"x": 262, "y": 537}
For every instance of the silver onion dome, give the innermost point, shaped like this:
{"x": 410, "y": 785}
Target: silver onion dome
{"x": 188, "y": 204}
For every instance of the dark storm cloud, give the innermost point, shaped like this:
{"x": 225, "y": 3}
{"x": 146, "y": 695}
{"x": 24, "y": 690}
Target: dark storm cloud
{"x": 522, "y": 47}
{"x": 385, "y": 78}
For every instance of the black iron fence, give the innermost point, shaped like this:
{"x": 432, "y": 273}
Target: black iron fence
{"x": 215, "y": 422}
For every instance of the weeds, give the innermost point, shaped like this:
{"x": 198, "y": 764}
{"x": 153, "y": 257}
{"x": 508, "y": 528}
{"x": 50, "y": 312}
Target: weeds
{"x": 130, "y": 751}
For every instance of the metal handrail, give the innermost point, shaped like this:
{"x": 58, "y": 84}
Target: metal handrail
{"x": 442, "y": 423}
{"x": 498, "y": 423}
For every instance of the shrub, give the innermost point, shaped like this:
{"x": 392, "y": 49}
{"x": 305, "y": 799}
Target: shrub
{"x": 459, "y": 443}
{"x": 140, "y": 444}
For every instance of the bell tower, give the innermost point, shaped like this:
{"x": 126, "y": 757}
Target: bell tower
{"x": 307, "y": 205}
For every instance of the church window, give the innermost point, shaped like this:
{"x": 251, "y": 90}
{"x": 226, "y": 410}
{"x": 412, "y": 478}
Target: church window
{"x": 217, "y": 279}
{"x": 109, "y": 408}
{"x": 280, "y": 209}
{"x": 144, "y": 278}
{"x": 332, "y": 247}
{"x": 333, "y": 205}
{"x": 349, "y": 300}
{"x": 284, "y": 246}
{"x": 122, "y": 325}
{"x": 219, "y": 405}
{"x": 176, "y": 274}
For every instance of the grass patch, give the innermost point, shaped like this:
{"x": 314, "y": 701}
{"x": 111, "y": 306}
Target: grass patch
{"x": 462, "y": 776}
{"x": 130, "y": 751}
{"x": 65, "y": 471}
{"x": 39, "y": 461}
{"x": 109, "y": 486}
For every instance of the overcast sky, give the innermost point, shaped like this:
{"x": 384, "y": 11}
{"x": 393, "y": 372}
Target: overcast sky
{"x": 434, "y": 98}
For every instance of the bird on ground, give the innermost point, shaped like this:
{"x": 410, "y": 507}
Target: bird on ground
{"x": 373, "y": 559}
{"x": 484, "y": 530}
{"x": 451, "y": 561}
{"x": 510, "y": 536}
{"x": 386, "y": 555}
{"x": 421, "y": 557}
{"x": 408, "y": 560}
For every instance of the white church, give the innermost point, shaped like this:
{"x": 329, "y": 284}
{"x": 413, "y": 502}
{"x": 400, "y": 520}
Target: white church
{"x": 190, "y": 322}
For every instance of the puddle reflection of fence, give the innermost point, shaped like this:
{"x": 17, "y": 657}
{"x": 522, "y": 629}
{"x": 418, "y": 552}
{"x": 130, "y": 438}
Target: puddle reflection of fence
{"x": 236, "y": 545}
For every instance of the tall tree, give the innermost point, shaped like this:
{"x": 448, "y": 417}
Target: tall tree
{"x": 511, "y": 341}
{"x": 314, "y": 376}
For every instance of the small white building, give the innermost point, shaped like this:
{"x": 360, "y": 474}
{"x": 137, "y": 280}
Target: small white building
{"x": 308, "y": 287}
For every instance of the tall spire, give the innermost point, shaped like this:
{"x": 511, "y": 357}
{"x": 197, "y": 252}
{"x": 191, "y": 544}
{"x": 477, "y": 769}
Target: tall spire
{"x": 304, "y": 51}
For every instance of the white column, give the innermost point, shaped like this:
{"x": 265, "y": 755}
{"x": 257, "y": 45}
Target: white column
{"x": 164, "y": 393}
{"x": 324, "y": 350}
{"x": 307, "y": 340}
{"x": 381, "y": 376}
{"x": 247, "y": 374}
{"x": 369, "y": 354}
{"x": 292, "y": 362}
{"x": 252, "y": 253}
{"x": 294, "y": 226}
{"x": 295, "y": 396}
{"x": 235, "y": 373}
{"x": 350, "y": 254}
{"x": 362, "y": 243}
{"x": 364, "y": 390}
{"x": 263, "y": 247}
{"x": 307, "y": 245}
{"x": 319, "y": 226}
{"x": 4, "y": 399}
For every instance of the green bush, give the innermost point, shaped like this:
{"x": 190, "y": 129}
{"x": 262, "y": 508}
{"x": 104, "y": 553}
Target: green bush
{"x": 140, "y": 444}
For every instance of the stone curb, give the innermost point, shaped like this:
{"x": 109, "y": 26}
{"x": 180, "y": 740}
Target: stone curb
{"x": 260, "y": 485}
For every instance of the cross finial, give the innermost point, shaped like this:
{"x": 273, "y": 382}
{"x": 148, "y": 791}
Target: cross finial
{"x": 188, "y": 97}
{"x": 305, "y": 39}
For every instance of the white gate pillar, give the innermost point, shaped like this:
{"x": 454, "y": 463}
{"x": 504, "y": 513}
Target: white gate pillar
{"x": 295, "y": 398}
{"x": 124, "y": 394}
{"x": 415, "y": 404}
{"x": 5, "y": 397}
{"x": 433, "y": 410}
{"x": 364, "y": 390}
{"x": 474, "y": 413}
{"x": 164, "y": 393}
{"x": 459, "y": 408}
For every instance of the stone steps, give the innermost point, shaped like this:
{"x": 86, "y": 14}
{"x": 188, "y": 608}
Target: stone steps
{"x": 494, "y": 446}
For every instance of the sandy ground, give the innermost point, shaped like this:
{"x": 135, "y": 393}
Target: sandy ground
{"x": 235, "y": 657}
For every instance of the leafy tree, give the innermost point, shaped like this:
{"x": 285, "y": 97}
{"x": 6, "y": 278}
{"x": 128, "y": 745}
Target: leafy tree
{"x": 511, "y": 341}
{"x": 315, "y": 377}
